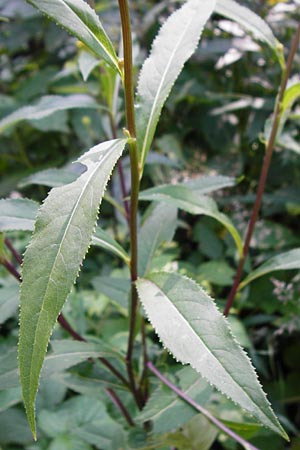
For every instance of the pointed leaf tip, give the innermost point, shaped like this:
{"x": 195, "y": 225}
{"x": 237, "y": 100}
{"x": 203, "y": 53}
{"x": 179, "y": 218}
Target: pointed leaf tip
{"x": 63, "y": 232}
{"x": 190, "y": 326}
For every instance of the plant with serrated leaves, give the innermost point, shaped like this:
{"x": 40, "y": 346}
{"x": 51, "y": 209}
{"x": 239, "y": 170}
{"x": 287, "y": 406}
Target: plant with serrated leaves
{"x": 185, "y": 318}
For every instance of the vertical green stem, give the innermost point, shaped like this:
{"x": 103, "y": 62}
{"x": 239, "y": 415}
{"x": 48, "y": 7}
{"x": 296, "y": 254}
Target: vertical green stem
{"x": 135, "y": 185}
{"x": 265, "y": 169}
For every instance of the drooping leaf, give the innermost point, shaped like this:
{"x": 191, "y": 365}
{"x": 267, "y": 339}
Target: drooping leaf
{"x": 167, "y": 411}
{"x": 158, "y": 227}
{"x": 53, "y": 177}
{"x": 17, "y": 214}
{"x": 10, "y": 397}
{"x": 104, "y": 240}
{"x": 87, "y": 63}
{"x": 184, "y": 197}
{"x": 65, "y": 354}
{"x": 63, "y": 233}
{"x": 116, "y": 289}
{"x": 175, "y": 43}
{"x": 284, "y": 261}
{"x": 190, "y": 326}
{"x": 251, "y": 22}
{"x": 9, "y": 301}
{"x": 81, "y": 21}
{"x": 46, "y": 106}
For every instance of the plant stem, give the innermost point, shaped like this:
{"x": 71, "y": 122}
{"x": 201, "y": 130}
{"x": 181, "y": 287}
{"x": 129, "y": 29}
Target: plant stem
{"x": 202, "y": 410}
{"x": 265, "y": 170}
{"x": 13, "y": 251}
{"x": 135, "y": 185}
{"x": 116, "y": 400}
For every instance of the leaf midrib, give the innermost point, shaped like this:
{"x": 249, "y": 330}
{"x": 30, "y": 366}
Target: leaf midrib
{"x": 58, "y": 252}
{"x": 204, "y": 343}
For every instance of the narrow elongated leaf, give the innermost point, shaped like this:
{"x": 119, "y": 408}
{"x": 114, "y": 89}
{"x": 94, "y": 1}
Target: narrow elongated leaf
{"x": 158, "y": 227}
{"x": 189, "y": 325}
{"x": 251, "y": 22}
{"x": 175, "y": 43}
{"x": 9, "y": 301}
{"x": 116, "y": 289}
{"x": 80, "y": 20}
{"x": 104, "y": 240}
{"x": 46, "y": 106}
{"x": 284, "y": 261}
{"x": 66, "y": 354}
{"x": 51, "y": 177}
{"x": 17, "y": 214}
{"x": 63, "y": 233}
{"x": 185, "y": 198}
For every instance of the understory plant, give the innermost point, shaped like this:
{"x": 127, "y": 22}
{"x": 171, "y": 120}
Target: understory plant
{"x": 130, "y": 393}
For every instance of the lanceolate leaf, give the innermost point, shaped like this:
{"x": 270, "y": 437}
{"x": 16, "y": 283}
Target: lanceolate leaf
{"x": 17, "y": 214}
{"x": 189, "y": 325}
{"x": 80, "y": 20}
{"x": 251, "y": 22}
{"x": 9, "y": 301}
{"x": 46, "y": 106}
{"x": 62, "y": 235}
{"x": 184, "y": 197}
{"x": 157, "y": 228}
{"x": 285, "y": 261}
{"x": 175, "y": 43}
{"x": 104, "y": 240}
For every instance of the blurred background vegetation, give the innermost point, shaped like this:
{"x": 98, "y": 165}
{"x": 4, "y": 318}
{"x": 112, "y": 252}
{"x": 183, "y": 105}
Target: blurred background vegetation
{"x": 212, "y": 124}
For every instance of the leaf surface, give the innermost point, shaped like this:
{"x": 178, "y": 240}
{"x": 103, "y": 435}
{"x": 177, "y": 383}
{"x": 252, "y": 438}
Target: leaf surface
{"x": 251, "y": 22}
{"x": 175, "y": 43}
{"x": 81, "y": 21}
{"x": 190, "y": 326}
{"x": 104, "y": 240}
{"x": 9, "y": 301}
{"x": 185, "y": 198}
{"x": 169, "y": 412}
{"x": 17, "y": 214}
{"x": 46, "y": 106}
{"x": 62, "y": 235}
{"x": 284, "y": 261}
{"x": 158, "y": 227}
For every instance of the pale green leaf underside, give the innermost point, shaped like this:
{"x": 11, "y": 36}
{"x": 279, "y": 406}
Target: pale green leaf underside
{"x": 175, "y": 43}
{"x": 190, "y": 326}
{"x": 158, "y": 227}
{"x": 104, "y": 240}
{"x": 17, "y": 214}
{"x": 285, "y": 261}
{"x": 184, "y": 197}
{"x": 250, "y": 21}
{"x": 47, "y": 105}
{"x": 50, "y": 177}
{"x": 63, "y": 232}
{"x": 80, "y": 20}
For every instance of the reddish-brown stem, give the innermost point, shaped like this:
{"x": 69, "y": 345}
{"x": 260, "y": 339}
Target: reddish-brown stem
{"x": 264, "y": 171}
{"x": 199, "y": 408}
{"x": 135, "y": 184}
{"x": 11, "y": 268}
{"x": 13, "y": 251}
{"x": 66, "y": 326}
{"x": 119, "y": 404}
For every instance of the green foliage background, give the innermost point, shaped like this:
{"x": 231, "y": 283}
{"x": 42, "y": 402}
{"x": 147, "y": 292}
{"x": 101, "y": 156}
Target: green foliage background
{"x": 213, "y": 123}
